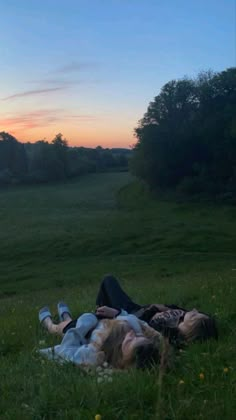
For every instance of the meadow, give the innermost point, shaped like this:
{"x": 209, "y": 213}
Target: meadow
{"x": 58, "y": 241}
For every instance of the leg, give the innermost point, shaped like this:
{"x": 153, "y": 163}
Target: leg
{"x": 45, "y": 319}
{"x": 111, "y": 294}
{"x": 63, "y": 311}
{"x": 55, "y": 328}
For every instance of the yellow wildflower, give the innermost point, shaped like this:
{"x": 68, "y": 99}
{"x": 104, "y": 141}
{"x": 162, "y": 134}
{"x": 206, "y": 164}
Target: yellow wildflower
{"x": 201, "y": 376}
{"x": 226, "y": 370}
{"x": 181, "y": 382}
{"x": 98, "y": 417}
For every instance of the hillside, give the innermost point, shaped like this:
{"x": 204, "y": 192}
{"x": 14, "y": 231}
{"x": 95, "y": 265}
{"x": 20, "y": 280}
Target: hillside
{"x": 57, "y": 243}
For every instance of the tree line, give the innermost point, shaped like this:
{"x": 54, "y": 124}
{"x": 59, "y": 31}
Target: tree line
{"x": 42, "y": 161}
{"x": 186, "y": 141}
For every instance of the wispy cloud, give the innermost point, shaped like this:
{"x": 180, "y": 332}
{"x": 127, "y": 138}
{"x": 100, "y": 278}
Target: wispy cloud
{"x": 33, "y": 92}
{"x": 75, "y": 67}
{"x": 41, "y": 118}
{"x": 52, "y": 84}
{"x": 58, "y": 82}
{"x": 65, "y": 83}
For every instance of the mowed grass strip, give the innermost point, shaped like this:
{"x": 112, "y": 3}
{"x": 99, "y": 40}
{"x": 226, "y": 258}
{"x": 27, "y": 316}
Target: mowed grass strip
{"x": 58, "y": 241}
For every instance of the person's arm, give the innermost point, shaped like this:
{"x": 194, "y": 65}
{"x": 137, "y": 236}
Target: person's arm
{"x": 107, "y": 312}
{"x": 146, "y": 313}
{"x": 89, "y": 355}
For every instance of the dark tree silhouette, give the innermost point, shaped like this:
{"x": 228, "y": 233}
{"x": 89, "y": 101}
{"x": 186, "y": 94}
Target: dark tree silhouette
{"x": 187, "y": 137}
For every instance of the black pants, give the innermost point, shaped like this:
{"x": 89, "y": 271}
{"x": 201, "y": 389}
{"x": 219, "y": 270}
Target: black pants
{"x": 111, "y": 294}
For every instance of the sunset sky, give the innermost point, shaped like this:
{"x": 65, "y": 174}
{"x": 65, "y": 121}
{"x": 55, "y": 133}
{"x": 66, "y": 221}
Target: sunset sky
{"x": 88, "y": 69}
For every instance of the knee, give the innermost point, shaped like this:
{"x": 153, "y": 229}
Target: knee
{"x": 88, "y": 315}
{"x": 87, "y": 319}
{"x": 109, "y": 279}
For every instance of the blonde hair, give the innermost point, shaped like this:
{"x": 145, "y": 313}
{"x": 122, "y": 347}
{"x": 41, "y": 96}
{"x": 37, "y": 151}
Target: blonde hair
{"x": 112, "y": 345}
{"x": 201, "y": 328}
{"x": 142, "y": 354}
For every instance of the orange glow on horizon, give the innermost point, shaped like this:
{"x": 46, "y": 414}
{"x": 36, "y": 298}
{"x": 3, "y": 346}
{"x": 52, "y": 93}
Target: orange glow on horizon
{"x": 106, "y": 139}
{"x": 88, "y": 130}
{"x": 88, "y": 134}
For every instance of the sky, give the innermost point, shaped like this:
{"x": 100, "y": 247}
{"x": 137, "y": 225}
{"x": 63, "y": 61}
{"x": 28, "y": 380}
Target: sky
{"x": 89, "y": 68}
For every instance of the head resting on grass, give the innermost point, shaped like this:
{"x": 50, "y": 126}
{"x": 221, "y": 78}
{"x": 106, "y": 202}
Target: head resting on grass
{"x": 124, "y": 348}
{"x": 197, "y": 326}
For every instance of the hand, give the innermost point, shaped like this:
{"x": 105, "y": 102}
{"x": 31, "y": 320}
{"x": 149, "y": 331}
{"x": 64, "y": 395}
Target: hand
{"x": 107, "y": 312}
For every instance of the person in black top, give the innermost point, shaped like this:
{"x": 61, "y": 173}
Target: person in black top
{"x": 177, "y": 323}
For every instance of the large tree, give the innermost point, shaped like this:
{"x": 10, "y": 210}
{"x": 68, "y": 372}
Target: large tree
{"x": 188, "y": 132}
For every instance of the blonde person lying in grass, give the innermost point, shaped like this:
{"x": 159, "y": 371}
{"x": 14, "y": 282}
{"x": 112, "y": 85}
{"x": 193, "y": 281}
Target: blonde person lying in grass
{"x": 123, "y": 341}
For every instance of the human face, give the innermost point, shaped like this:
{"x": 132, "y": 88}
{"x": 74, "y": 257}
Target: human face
{"x": 130, "y": 341}
{"x": 189, "y": 319}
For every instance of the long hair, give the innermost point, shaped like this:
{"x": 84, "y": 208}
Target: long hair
{"x": 201, "y": 329}
{"x": 112, "y": 346}
{"x": 144, "y": 355}
{"x": 147, "y": 354}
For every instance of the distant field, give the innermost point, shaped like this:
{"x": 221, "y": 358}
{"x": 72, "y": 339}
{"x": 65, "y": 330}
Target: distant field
{"x": 58, "y": 241}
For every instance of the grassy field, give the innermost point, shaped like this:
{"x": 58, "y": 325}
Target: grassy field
{"x": 58, "y": 241}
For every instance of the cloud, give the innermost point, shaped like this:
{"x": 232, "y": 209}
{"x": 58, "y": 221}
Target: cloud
{"x": 41, "y": 118}
{"x": 74, "y": 67}
{"x": 63, "y": 83}
{"x": 33, "y": 92}
{"x": 58, "y": 82}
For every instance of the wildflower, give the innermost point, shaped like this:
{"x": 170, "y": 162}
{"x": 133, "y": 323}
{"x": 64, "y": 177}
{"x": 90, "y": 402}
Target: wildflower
{"x": 98, "y": 417}
{"x": 23, "y": 405}
{"x": 213, "y": 297}
{"x": 226, "y": 370}
{"x": 181, "y": 382}
{"x": 201, "y": 376}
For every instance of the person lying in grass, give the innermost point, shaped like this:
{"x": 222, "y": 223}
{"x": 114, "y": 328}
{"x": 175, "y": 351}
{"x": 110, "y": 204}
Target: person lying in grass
{"x": 179, "y": 324}
{"x": 123, "y": 342}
